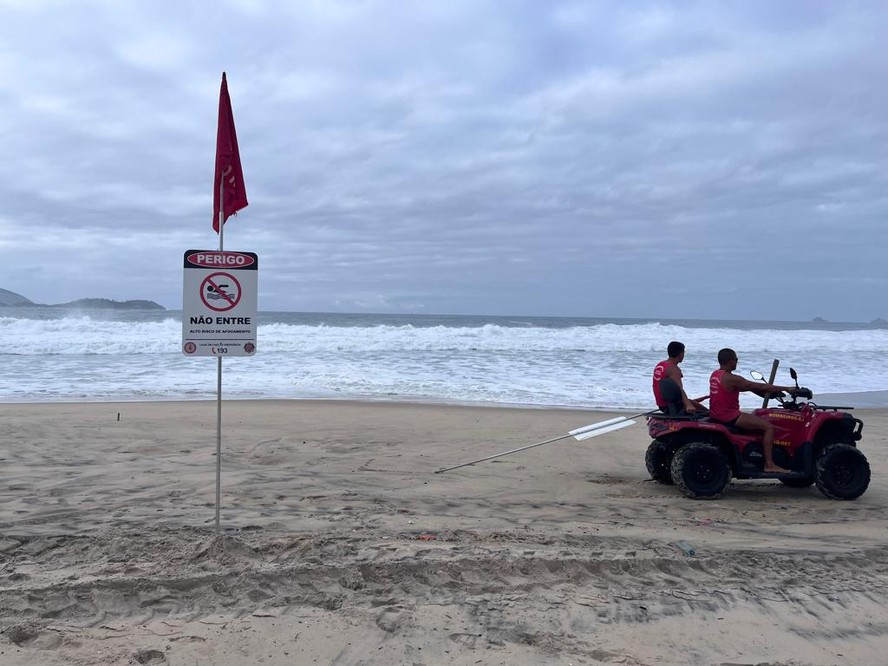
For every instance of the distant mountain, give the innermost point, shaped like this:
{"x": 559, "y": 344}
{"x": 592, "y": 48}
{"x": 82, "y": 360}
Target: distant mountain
{"x": 104, "y": 303}
{"x": 11, "y": 299}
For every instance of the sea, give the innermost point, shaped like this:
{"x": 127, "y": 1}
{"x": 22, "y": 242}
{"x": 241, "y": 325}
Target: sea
{"x": 55, "y": 355}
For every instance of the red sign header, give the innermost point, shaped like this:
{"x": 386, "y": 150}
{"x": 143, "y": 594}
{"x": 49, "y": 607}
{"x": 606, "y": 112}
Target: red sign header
{"x": 211, "y": 259}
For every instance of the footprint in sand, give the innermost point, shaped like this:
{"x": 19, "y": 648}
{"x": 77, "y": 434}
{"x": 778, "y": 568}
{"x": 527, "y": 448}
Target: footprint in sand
{"x": 149, "y": 657}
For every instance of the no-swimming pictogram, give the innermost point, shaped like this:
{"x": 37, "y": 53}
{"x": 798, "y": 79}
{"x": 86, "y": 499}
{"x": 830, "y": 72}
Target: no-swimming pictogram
{"x": 220, "y": 291}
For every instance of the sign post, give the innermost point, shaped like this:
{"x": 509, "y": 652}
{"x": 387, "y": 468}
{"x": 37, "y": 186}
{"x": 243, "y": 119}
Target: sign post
{"x": 219, "y": 308}
{"x": 219, "y": 304}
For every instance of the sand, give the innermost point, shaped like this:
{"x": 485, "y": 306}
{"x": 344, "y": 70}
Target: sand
{"x": 340, "y": 546}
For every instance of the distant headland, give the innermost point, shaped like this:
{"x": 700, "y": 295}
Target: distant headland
{"x": 12, "y": 299}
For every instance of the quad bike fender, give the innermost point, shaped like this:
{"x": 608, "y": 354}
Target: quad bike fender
{"x": 673, "y": 439}
{"x": 666, "y": 427}
{"x": 842, "y": 427}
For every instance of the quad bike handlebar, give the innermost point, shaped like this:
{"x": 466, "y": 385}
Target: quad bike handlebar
{"x": 800, "y": 392}
{"x": 794, "y": 393}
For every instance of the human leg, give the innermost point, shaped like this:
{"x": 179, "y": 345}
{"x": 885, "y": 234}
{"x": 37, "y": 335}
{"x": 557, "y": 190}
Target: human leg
{"x": 751, "y": 422}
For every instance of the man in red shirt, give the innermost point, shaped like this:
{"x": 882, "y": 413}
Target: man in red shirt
{"x": 724, "y": 403}
{"x": 669, "y": 369}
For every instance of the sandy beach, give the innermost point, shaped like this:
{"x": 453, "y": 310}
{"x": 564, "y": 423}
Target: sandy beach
{"x": 341, "y": 546}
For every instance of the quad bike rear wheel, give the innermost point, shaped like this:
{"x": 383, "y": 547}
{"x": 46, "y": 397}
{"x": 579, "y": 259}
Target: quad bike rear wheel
{"x": 700, "y": 471}
{"x": 842, "y": 472}
{"x": 658, "y": 459}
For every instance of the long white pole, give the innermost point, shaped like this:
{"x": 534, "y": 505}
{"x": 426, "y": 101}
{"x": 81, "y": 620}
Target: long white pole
{"x": 504, "y": 453}
{"x": 219, "y": 376}
{"x": 602, "y": 425}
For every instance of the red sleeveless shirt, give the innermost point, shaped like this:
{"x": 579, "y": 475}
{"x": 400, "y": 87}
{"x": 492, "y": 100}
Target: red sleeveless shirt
{"x": 724, "y": 404}
{"x": 660, "y": 373}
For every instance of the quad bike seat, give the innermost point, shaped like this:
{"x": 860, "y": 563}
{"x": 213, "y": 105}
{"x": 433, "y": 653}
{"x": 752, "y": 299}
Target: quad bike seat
{"x": 670, "y": 392}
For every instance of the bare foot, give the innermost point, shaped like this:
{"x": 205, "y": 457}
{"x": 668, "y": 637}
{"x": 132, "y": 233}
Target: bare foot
{"x": 776, "y": 470}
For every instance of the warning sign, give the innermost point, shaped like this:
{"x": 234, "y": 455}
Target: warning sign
{"x": 219, "y": 303}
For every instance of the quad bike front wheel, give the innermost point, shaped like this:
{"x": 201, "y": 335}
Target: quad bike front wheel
{"x": 700, "y": 471}
{"x": 658, "y": 459}
{"x": 842, "y": 472}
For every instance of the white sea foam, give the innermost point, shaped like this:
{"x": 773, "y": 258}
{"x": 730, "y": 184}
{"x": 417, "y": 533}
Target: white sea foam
{"x": 596, "y": 365}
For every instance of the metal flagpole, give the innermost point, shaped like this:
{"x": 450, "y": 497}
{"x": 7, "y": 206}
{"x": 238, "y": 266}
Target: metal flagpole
{"x": 219, "y": 373}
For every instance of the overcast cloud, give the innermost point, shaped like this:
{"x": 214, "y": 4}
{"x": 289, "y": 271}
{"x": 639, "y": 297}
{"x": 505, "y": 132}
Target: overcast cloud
{"x": 650, "y": 159}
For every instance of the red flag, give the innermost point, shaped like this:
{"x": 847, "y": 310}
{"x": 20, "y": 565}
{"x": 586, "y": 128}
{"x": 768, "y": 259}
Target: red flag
{"x": 229, "y": 175}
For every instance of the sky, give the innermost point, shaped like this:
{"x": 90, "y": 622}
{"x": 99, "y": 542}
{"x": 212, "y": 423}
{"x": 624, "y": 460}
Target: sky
{"x": 712, "y": 160}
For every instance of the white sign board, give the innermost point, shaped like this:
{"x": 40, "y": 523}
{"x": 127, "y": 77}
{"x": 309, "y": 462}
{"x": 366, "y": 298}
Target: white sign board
{"x": 219, "y": 303}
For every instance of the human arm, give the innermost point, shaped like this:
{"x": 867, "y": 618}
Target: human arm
{"x": 698, "y": 403}
{"x": 736, "y": 383}
{"x": 674, "y": 373}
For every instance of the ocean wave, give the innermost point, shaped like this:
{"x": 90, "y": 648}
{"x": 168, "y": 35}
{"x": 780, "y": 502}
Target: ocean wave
{"x": 602, "y": 365}
{"x": 82, "y": 335}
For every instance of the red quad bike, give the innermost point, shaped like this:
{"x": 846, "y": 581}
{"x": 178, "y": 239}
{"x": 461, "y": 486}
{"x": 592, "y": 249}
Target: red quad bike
{"x": 818, "y": 444}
